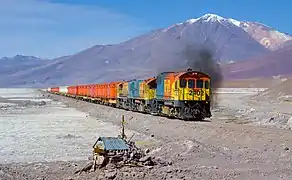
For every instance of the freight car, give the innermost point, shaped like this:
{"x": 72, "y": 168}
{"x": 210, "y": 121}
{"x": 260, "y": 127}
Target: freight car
{"x": 183, "y": 95}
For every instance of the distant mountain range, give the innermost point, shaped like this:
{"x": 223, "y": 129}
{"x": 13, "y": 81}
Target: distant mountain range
{"x": 272, "y": 64}
{"x": 230, "y": 40}
{"x": 11, "y": 65}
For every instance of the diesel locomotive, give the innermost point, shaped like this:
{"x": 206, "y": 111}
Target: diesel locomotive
{"x": 183, "y": 95}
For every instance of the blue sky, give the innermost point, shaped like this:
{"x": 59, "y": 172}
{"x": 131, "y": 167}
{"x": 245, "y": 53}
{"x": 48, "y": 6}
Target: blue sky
{"x": 52, "y": 28}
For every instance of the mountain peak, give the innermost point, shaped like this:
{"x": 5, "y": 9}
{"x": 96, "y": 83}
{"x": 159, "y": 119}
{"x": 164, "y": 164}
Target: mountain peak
{"x": 209, "y": 17}
{"x": 206, "y": 17}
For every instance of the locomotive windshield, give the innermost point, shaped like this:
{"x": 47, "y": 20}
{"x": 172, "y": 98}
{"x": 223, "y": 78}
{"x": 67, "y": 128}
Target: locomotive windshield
{"x": 200, "y": 83}
{"x": 207, "y": 84}
{"x": 183, "y": 83}
{"x": 194, "y": 83}
{"x": 191, "y": 83}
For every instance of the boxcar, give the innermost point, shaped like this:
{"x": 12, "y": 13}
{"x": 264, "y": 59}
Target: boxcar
{"x": 55, "y": 90}
{"x": 92, "y": 91}
{"x": 103, "y": 92}
{"x": 80, "y": 90}
{"x": 112, "y": 93}
{"x": 87, "y": 91}
{"x": 72, "y": 91}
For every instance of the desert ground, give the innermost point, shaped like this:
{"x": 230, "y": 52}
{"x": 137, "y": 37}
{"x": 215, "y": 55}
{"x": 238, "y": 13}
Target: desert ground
{"x": 249, "y": 136}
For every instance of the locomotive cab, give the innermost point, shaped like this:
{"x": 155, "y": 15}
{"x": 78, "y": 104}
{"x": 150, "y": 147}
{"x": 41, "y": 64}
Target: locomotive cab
{"x": 192, "y": 86}
{"x": 192, "y": 94}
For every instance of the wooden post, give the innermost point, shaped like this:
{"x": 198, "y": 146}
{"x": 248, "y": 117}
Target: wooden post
{"x": 123, "y": 127}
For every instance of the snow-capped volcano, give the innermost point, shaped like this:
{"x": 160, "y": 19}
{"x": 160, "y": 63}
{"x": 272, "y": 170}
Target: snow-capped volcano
{"x": 214, "y": 18}
{"x": 265, "y": 35}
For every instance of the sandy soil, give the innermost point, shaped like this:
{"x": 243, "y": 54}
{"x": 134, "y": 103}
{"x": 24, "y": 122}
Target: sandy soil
{"x": 280, "y": 92}
{"x": 230, "y": 145}
{"x": 253, "y": 83}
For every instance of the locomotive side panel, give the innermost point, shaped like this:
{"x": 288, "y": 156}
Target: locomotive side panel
{"x": 160, "y": 86}
{"x": 134, "y": 89}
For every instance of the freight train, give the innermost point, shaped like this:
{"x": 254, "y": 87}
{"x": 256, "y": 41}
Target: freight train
{"x": 183, "y": 95}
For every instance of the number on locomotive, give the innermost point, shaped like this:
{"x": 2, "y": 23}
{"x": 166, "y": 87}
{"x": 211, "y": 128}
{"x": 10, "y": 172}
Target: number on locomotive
{"x": 195, "y": 92}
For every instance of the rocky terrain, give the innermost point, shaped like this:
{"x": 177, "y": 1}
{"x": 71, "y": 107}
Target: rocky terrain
{"x": 246, "y": 138}
{"x": 267, "y": 36}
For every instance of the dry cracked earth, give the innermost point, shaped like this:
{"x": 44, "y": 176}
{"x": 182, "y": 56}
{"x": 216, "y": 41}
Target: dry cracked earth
{"x": 247, "y": 138}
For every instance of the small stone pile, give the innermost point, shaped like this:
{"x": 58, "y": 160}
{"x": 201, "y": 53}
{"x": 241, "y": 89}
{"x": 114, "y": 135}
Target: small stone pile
{"x": 135, "y": 157}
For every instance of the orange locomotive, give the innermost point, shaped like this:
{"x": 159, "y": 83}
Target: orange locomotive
{"x": 184, "y": 95}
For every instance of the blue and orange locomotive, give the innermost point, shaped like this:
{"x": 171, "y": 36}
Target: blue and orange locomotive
{"x": 183, "y": 95}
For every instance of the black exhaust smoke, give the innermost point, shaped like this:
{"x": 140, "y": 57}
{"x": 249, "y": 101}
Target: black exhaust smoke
{"x": 204, "y": 58}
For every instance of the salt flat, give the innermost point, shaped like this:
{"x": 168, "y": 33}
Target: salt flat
{"x": 34, "y": 128}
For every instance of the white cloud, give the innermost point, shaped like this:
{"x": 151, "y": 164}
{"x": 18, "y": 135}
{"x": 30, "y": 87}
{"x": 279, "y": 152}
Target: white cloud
{"x": 46, "y": 29}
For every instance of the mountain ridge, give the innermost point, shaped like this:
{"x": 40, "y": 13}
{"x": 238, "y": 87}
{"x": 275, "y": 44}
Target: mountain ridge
{"x": 276, "y": 63}
{"x": 147, "y": 54}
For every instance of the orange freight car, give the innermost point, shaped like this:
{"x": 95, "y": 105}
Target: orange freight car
{"x": 103, "y": 90}
{"x": 98, "y": 91}
{"x": 80, "y": 90}
{"x": 84, "y": 90}
{"x": 87, "y": 90}
{"x": 95, "y": 90}
{"x": 72, "y": 90}
{"x": 91, "y": 91}
{"x": 55, "y": 89}
{"x": 112, "y": 92}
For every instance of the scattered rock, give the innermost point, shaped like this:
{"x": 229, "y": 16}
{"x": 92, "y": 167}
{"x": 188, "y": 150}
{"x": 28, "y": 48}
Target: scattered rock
{"x": 289, "y": 122}
{"x": 144, "y": 159}
{"x": 286, "y": 149}
{"x": 87, "y": 167}
{"x": 42, "y": 103}
{"x": 110, "y": 175}
{"x": 68, "y": 178}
